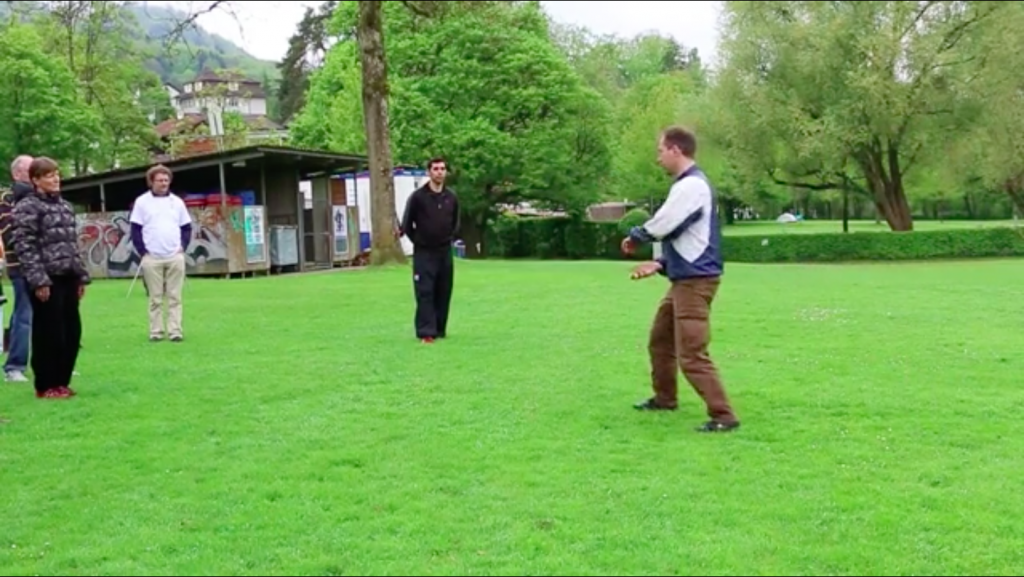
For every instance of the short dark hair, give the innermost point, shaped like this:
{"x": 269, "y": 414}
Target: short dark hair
{"x": 42, "y": 166}
{"x": 680, "y": 138}
{"x": 158, "y": 169}
{"x": 437, "y": 160}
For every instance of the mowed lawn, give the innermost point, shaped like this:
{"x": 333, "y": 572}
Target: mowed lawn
{"x": 301, "y": 430}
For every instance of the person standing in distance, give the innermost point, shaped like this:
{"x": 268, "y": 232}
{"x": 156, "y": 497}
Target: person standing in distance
{"x": 431, "y": 222}
{"x": 687, "y": 227}
{"x": 161, "y": 231}
{"x": 46, "y": 239}
{"x": 21, "y": 316}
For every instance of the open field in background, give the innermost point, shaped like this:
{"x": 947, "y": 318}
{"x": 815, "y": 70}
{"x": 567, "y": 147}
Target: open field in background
{"x": 301, "y": 430}
{"x": 826, "y": 226}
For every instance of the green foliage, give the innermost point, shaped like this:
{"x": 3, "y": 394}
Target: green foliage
{"x": 932, "y": 244}
{"x": 94, "y": 40}
{"x": 564, "y": 238}
{"x": 650, "y": 82}
{"x": 845, "y": 95}
{"x": 197, "y": 50}
{"x": 306, "y": 48}
{"x": 557, "y": 238}
{"x": 174, "y": 59}
{"x": 42, "y": 111}
{"x": 635, "y": 217}
{"x": 649, "y": 106}
{"x": 481, "y": 85}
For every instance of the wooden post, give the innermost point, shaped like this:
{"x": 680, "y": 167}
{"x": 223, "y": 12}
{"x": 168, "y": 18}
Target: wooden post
{"x": 224, "y": 208}
{"x": 223, "y": 187}
{"x": 103, "y": 198}
{"x": 263, "y": 185}
{"x": 266, "y": 212}
{"x": 301, "y": 220}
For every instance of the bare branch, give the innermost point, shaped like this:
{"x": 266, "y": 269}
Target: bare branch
{"x": 833, "y": 181}
{"x": 824, "y": 185}
{"x": 180, "y": 26}
{"x": 424, "y": 9}
{"x": 921, "y": 11}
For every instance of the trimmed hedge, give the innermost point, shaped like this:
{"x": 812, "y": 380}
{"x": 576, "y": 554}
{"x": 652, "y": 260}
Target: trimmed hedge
{"x": 556, "y": 238}
{"x": 564, "y": 238}
{"x": 835, "y": 247}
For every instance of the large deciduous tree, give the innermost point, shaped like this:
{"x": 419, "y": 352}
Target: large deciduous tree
{"x": 482, "y": 85}
{"x": 41, "y": 109}
{"x": 843, "y": 95}
{"x": 988, "y": 149}
{"x": 375, "y": 95}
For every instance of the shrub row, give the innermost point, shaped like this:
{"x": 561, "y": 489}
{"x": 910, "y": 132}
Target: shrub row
{"x": 564, "y": 238}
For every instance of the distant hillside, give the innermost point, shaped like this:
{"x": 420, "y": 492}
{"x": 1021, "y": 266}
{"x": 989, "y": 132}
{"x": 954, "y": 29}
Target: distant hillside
{"x": 200, "y": 49}
{"x": 204, "y": 50}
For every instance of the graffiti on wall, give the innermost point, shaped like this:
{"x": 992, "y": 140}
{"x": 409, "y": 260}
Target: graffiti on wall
{"x": 104, "y": 240}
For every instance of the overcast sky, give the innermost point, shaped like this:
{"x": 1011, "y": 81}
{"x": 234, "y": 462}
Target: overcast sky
{"x": 263, "y": 28}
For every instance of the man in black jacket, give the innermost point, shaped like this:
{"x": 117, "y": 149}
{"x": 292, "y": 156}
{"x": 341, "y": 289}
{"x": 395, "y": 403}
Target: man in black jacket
{"x": 431, "y": 222}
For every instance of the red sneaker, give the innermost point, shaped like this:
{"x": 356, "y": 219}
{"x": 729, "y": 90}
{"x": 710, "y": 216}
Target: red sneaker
{"x": 58, "y": 393}
{"x": 71, "y": 392}
{"x": 427, "y": 340}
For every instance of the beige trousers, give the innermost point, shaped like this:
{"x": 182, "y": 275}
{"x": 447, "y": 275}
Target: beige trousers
{"x": 164, "y": 278}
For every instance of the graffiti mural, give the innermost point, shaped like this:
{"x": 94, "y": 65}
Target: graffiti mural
{"x": 104, "y": 239}
{"x": 209, "y": 245}
{"x": 105, "y": 243}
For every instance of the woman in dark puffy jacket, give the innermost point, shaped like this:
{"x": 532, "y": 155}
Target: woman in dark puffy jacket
{"x": 46, "y": 240}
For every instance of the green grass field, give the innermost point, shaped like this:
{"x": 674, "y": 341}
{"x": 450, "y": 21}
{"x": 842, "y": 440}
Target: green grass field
{"x": 826, "y": 226}
{"x": 301, "y": 430}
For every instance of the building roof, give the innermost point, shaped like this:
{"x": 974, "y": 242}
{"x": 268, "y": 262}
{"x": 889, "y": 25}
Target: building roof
{"x": 248, "y": 88}
{"x": 190, "y": 120}
{"x": 309, "y": 160}
{"x": 207, "y": 75}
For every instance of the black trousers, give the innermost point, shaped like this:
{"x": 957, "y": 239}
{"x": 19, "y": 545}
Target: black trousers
{"x": 433, "y": 274}
{"x": 56, "y": 334}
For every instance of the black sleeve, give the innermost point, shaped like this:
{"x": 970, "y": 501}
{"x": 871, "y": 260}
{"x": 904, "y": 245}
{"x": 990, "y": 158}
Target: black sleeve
{"x": 409, "y": 217}
{"x": 457, "y": 217}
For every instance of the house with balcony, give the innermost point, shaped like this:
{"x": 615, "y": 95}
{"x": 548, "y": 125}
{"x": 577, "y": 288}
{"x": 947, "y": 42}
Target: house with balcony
{"x": 200, "y": 107}
{"x": 225, "y": 90}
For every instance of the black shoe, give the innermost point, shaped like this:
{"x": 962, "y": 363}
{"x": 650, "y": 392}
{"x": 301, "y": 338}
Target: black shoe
{"x": 718, "y": 427}
{"x": 651, "y": 405}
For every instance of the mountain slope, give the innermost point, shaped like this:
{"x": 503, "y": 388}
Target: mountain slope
{"x": 199, "y": 49}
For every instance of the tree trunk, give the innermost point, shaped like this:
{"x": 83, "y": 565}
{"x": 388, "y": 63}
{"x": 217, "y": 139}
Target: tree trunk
{"x": 1015, "y": 190}
{"x": 384, "y": 246}
{"x": 846, "y": 210}
{"x": 885, "y": 181}
{"x": 728, "y": 209}
{"x": 474, "y": 228}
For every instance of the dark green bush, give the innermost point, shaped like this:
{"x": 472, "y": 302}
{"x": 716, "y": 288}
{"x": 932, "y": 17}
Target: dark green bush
{"x": 836, "y": 247}
{"x": 635, "y": 217}
{"x": 564, "y": 238}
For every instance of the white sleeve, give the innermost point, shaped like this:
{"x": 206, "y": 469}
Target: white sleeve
{"x": 685, "y": 199}
{"x": 136, "y": 216}
{"x": 183, "y": 215}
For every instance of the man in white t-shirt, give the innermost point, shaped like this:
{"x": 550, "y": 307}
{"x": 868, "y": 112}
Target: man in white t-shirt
{"x": 161, "y": 231}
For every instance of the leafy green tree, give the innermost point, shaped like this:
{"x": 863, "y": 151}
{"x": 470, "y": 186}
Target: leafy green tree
{"x": 41, "y": 109}
{"x": 987, "y": 149}
{"x": 482, "y": 85}
{"x": 843, "y": 95}
{"x": 306, "y": 48}
{"x": 94, "y": 39}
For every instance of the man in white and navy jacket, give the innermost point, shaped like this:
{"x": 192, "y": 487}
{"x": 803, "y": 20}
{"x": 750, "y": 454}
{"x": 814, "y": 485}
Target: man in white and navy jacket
{"x": 688, "y": 229}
